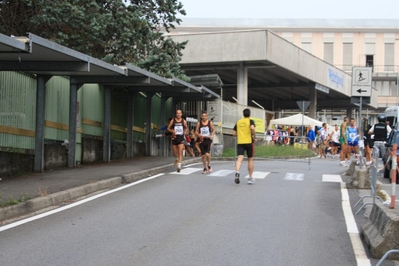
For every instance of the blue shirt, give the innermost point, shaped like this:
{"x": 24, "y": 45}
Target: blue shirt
{"x": 311, "y": 135}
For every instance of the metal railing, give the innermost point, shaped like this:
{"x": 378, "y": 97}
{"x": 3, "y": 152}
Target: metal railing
{"x": 386, "y": 255}
{"x": 373, "y": 182}
{"x": 376, "y": 68}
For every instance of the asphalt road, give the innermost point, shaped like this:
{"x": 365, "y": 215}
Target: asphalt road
{"x": 290, "y": 216}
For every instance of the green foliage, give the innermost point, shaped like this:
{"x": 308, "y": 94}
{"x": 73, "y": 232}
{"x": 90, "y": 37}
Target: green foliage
{"x": 116, "y": 31}
{"x": 273, "y": 151}
{"x": 12, "y": 201}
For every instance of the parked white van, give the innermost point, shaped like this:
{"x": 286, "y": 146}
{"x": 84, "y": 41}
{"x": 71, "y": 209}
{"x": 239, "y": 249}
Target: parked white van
{"x": 392, "y": 114}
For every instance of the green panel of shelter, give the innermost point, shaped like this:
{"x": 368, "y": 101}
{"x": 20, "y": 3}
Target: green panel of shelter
{"x": 17, "y": 108}
{"x": 119, "y": 109}
{"x": 92, "y": 109}
{"x": 57, "y": 109}
{"x": 139, "y": 118}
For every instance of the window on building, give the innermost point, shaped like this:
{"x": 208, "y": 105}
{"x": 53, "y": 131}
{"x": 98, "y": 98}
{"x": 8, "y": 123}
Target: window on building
{"x": 389, "y": 57}
{"x": 329, "y": 52}
{"x": 347, "y": 56}
{"x": 307, "y": 46}
{"x": 384, "y": 88}
{"x": 369, "y": 60}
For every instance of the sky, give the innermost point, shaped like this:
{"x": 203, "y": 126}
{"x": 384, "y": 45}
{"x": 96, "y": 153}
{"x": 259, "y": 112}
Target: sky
{"x": 334, "y": 9}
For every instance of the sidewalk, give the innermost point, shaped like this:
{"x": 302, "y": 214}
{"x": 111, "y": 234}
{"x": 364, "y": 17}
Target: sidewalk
{"x": 51, "y": 188}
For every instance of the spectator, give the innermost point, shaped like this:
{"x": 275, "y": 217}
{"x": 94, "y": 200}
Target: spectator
{"x": 311, "y": 136}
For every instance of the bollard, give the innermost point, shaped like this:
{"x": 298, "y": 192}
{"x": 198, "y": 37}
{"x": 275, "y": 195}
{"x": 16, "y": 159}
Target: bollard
{"x": 393, "y": 176}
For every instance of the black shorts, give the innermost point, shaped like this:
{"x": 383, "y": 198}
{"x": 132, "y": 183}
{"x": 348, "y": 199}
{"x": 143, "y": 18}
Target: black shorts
{"x": 369, "y": 143}
{"x": 179, "y": 139}
{"x": 249, "y": 148}
{"x": 205, "y": 146}
{"x": 336, "y": 144}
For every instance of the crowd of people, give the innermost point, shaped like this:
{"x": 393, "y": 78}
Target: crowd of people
{"x": 340, "y": 142}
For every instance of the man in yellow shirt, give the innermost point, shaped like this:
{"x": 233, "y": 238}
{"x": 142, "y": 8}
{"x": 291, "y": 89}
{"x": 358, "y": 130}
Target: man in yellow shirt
{"x": 244, "y": 129}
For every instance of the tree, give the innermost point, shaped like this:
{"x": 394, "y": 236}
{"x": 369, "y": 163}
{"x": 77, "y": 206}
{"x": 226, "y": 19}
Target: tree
{"x": 116, "y": 31}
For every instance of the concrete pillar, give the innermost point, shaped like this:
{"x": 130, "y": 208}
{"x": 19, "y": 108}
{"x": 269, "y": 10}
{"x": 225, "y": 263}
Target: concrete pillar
{"x": 242, "y": 84}
{"x": 313, "y": 100}
{"x": 107, "y": 125}
{"x": 130, "y": 123}
{"x": 73, "y": 99}
{"x": 39, "y": 128}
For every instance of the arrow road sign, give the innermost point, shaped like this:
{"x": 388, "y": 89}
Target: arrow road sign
{"x": 360, "y": 90}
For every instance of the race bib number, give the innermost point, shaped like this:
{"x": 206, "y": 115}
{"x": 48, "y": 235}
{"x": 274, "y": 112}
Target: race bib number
{"x": 352, "y": 135}
{"x": 205, "y": 131}
{"x": 179, "y": 130}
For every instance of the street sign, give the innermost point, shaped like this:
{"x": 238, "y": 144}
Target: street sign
{"x": 361, "y": 81}
{"x": 322, "y": 88}
{"x": 303, "y": 105}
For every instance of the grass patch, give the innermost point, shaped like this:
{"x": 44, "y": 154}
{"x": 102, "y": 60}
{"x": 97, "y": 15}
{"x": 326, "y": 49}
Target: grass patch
{"x": 13, "y": 201}
{"x": 272, "y": 151}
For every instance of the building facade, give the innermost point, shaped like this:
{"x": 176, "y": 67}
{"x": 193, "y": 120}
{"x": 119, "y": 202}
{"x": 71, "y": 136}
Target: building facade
{"x": 342, "y": 43}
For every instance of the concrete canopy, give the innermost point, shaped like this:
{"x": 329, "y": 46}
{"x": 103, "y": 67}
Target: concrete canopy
{"x": 44, "y": 58}
{"x": 36, "y": 55}
{"x": 278, "y": 72}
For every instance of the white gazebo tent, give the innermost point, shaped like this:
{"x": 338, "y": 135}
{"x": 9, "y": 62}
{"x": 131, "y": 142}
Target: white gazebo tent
{"x": 295, "y": 120}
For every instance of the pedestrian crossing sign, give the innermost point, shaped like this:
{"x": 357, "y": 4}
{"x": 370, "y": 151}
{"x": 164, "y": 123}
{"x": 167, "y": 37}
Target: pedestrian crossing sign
{"x": 361, "y": 81}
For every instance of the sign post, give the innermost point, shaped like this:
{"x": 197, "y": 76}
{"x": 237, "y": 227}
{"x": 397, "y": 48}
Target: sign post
{"x": 361, "y": 87}
{"x": 303, "y": 106}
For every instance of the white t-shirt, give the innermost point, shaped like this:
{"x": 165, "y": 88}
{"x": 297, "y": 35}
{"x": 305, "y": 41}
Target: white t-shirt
{"x": 335, "y": 136}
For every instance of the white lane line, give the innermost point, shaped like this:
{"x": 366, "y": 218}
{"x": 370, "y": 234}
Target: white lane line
{"x": 358, "y": 249}
{"x": 186, "y": 171}
{"x": 45, "y": 214}
{"x": 294, "y": 176}
{"x": 258, "y": 175}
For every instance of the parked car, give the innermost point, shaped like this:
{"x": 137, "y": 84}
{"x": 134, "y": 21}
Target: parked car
{"x": 393, "y": 138}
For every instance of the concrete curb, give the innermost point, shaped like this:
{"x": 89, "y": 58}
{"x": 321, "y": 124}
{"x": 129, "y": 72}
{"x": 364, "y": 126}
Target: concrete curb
{"x": 52, "y": 200}
{"x": 381, "y": 230}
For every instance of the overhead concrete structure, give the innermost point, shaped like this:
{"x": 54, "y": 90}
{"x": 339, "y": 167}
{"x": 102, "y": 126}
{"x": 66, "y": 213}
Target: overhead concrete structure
{"x": 261, "y": 66}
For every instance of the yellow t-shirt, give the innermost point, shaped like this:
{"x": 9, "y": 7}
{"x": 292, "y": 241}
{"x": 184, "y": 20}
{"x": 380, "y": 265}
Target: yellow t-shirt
{"x": 243, "y": 129}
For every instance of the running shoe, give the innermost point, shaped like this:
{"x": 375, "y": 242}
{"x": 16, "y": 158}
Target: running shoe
{"x": 178, "y": 167}
{"x": 251, "y": 180}
{"x": 209, "y": 169}
{"x": 204, "y": 172}
{"x": 237, "y": 180}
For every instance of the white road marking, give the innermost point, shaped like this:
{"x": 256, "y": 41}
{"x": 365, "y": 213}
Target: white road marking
{"x": 45, "y": 214}
{"x": 186, "y": 171}
{"x": 258, "y": 175}
{"x": 222, "y": 173}
{"x": 332, "y": 178}
{"x": 294, "y": 176}
{"x": 357, "y": 245}
{"x": 185, "y": 166}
